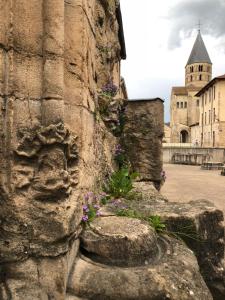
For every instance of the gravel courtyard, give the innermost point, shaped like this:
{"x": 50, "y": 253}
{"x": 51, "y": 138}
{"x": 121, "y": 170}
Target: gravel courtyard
{"x": 186, "y": 183}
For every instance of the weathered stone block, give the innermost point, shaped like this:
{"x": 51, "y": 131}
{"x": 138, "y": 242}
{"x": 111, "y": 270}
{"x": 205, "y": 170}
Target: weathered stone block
{"x": 134, "y": 242}
{"x": 143, "y": 134}
{"x": 27, "y": 26}
{"x": 200, "y": 224}
{"x": 159, "y": 277}
{"x": 27, "y": 72}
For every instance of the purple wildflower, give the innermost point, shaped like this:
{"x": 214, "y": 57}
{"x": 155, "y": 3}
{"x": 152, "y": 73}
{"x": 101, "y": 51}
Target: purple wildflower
{"x": 85, "y": 218}
{"x": 98, "y": 213}
{"x": 85, "y": 208}
{"x": 86, "y": 197}
{"x": 96, "y": 206}
{"x": 110, "y": 89}
{"x": 102, "y": 195}
{"x": 118, "y": 150}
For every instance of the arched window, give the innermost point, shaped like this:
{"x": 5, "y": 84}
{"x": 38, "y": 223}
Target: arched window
{"x": 181, "y": 105}
{"x": 184, "y": 136}
{"x": 185, "y": 104}
{"x": 178, "y": 104}
{"x": 200, "y": 77}
{"x": 191, "y": 78}
{"x": 200, "y": 68}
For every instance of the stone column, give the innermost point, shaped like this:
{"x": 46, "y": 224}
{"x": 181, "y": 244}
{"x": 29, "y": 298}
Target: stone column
{"x": 53, "y": 51}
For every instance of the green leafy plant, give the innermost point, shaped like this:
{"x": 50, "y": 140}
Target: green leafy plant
{"x": 120, "y": 157}
{"x": 120, "y": 183}
{"x": 130, "y": 213}
{"x": 157, "y": 224}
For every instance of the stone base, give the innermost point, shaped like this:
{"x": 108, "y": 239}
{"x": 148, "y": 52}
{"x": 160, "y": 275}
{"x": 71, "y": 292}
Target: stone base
{"x": 158, "y": 277}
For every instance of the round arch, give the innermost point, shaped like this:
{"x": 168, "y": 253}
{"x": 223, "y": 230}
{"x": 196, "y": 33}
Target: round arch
{"x": 184, "y": 136}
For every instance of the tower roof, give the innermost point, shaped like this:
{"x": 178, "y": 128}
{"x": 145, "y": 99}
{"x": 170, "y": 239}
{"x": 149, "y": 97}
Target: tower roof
{"x": 199, "y": 52}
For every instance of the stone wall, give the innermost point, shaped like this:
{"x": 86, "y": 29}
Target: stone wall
{"x": 55, "y": 56}
{"x": 143, "y": 135}
{"x": 211, "y": 154}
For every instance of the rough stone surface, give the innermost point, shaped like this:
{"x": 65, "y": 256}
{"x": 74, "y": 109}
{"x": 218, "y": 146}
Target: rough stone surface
{"x": 200, "y": 224}
{"x": 54, "y": 58}
{"x": 146, "y": 191}
{"x": 161, "y": 279}
{"x": 37, "y": 278}
{"x": 143, "y": 132}
{"x": 134, "y": 241}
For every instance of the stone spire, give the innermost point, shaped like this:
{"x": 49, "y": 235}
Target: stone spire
{"x": 199, "y": 52}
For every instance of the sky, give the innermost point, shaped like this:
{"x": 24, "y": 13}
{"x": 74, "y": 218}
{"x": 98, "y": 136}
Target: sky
{"x": 159, "y": 36}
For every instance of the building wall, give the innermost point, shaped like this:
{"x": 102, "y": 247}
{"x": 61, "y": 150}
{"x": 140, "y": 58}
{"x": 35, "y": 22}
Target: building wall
{"x": 212, "y": 115}
{"x": 179, "y": 109}
{"x": 167, "y": 134}
{"x": 55, "y": 56}
{"x": 198, "y": 74}
{"x": 196, "y": 135}
{"x": 216, "y": 154}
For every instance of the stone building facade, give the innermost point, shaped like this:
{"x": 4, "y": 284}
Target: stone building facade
{"x": 197, "y": 109}
{"x": 212, "y": 114}
{"x": 184, "y": 105}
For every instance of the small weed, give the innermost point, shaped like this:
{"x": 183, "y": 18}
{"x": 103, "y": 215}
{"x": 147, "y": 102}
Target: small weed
{"x": 157, "y": 224}
{"x": 120, "y": 183}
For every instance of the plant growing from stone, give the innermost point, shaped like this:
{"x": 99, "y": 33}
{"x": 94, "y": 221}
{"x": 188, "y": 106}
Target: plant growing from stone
{"x": 90, "y": 208}
{"x": 157, "y": 224}
{"x": 110, "y": 89}
{"x": 120, "y": 183}
{"x": 120, "y": 157}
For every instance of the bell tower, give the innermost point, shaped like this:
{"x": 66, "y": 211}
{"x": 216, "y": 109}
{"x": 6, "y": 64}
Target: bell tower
{"x": 198, "y": 70}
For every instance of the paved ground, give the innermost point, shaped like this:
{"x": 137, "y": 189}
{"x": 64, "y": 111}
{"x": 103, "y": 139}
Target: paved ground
{"x": 185, "y": 183}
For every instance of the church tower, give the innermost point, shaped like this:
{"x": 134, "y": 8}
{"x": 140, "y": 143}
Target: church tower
{"x": 184, "y": 105}
{"x": 198, "y": 71}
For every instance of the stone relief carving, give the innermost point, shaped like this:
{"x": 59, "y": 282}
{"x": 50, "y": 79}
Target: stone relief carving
{"x": 46, "y": 162}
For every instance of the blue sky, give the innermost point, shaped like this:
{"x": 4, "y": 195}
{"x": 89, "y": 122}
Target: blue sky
{"x": 159, "y": 37}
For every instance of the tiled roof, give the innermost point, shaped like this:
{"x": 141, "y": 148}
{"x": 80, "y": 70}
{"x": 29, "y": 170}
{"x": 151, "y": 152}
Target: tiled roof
{"x": 208, "y": 85}
{"x": 199, "y": 52}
